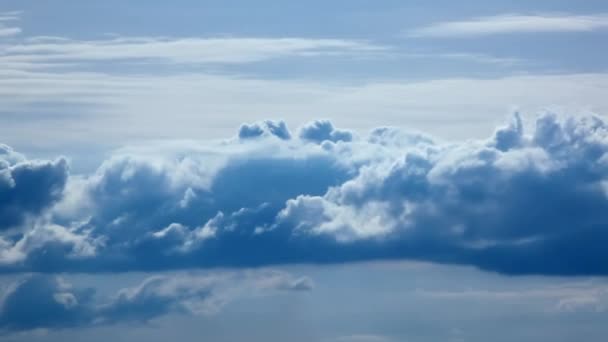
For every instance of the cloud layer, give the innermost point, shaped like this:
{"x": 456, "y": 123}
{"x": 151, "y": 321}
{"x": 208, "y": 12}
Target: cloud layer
{"x": 527, "y": 200}
{"x": 60, "y": 305}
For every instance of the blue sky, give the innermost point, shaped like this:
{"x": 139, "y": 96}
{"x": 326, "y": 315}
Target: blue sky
{"x": 350, "y": 171}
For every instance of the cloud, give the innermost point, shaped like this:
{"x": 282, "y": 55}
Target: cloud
{"x": 523, "y": 201}
{"x": 323, "y": 130}
{"x": 10, "y": 15}
{"x": 28, "y": 187}
{"x": 268, "y": 127}
{"x": 193, "y": 50}
{"x": 494, "y": 205}
{"x": 60, "y": 305}
{"x": 564, "y": 298}
{"x": 44, "y": 301}
{"x": 7, "y": 31}
{"x": 512, "y": 23}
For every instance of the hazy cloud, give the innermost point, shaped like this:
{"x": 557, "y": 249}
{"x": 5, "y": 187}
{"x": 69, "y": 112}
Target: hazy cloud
{"x": 193, "y": 50}
{"x": 6, "y": 28}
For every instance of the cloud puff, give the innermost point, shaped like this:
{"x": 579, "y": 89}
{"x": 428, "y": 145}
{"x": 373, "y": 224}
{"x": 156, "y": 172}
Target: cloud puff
{"x": 519, "y": 202}
{"x": 274, "y": 128}
{"x": 322, "y": 130}
{"x": 28, "y": 187}
{"x": 60, "y": 305}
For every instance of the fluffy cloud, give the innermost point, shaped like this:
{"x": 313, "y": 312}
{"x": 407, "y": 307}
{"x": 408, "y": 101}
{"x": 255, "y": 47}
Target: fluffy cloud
{"x": 60, "y": 305}
{"x": 28, "y": 187}
{"x": 322, "y": 130}
{"x": 274, "y": 128}
{"x": 513, "y": 204}
{"x": 520, "y": 202}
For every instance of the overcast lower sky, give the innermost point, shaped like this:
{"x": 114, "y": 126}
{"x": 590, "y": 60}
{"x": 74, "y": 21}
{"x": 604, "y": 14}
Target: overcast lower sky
{"x": 331, "y": 171}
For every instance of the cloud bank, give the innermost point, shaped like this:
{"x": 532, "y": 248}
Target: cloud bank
{"x": 60, "y": 305}
{"x": 526, "y": 200}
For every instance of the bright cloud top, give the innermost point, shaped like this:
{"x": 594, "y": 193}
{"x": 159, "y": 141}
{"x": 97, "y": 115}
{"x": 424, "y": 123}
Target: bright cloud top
{"x": 516, "y": 203}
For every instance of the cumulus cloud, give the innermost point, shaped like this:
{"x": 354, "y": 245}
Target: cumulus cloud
{"x": 58, "y": 304}
{"x": 28, "y": 187}
{"x": 323, "y": 130}
{"x": 273, "y": 128}
{"x": 526, "y": 200}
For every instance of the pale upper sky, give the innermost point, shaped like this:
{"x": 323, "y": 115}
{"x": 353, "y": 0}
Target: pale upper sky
{"x": 110, "y": 72}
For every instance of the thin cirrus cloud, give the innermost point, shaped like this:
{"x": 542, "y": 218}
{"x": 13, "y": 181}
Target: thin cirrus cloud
{"x": 512, "y": 23}
{"x": 45, "y": 51}
{"x": 7, "y": 30}
{"x": 35, "y": 50}
{"x": 518, "y": 202}
{"x": 569, "y": 297}
{"x": 179, "y": 50}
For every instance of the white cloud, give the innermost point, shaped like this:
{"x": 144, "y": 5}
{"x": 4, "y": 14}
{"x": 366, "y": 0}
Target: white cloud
{"x": 513, "y": 23}
{"x": 178, "y": 50}
{"x": 6, "y": 31}
{"x": 9, "y": 16}
{"x": 9, "y": 31}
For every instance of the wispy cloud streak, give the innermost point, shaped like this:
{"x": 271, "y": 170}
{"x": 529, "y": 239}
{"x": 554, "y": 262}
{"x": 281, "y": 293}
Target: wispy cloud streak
{"x": 5, "y": 30}
{"x": 179, "y": 50}
{"x": 512, "y": 23}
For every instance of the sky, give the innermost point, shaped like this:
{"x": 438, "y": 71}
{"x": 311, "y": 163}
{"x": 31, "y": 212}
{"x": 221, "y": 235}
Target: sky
{"x": 345, "y": 171}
